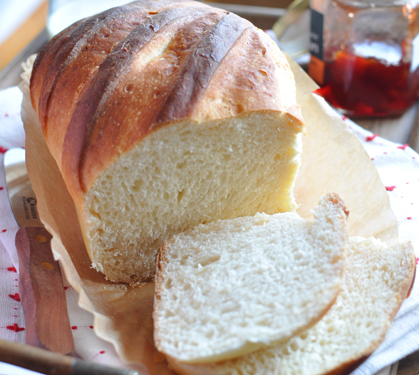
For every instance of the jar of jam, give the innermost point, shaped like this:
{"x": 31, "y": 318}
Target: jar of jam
{"x": 365, "y": 55}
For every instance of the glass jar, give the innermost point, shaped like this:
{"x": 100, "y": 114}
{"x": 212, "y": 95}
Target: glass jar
{"x": 365, "y": 55}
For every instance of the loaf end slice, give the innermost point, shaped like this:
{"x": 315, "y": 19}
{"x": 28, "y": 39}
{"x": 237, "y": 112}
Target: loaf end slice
{"x": 231, "y": 287}
{"x": 377, "y": 279}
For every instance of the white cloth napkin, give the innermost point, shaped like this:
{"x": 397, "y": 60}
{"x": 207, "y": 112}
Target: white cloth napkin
{"x": 398, "y": 166}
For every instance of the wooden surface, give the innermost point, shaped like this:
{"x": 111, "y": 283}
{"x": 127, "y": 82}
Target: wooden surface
{"x": 409, "y": 365}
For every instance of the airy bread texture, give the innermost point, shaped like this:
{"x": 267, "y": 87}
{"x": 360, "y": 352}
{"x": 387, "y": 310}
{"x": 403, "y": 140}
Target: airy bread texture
{"x": 184, "y": 175}
{"x": 376, "y": 280}
{"x": 162, "y": 115}
{"x": 227, "y": 288}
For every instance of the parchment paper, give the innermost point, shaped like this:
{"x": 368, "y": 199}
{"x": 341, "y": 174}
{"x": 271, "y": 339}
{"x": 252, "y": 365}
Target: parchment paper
{"x": 333, "y": 161}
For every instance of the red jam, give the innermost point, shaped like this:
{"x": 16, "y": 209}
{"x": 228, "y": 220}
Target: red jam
{"x": 367, "y": 86}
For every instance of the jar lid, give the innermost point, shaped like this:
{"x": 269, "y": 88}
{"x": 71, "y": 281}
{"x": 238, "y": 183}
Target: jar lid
{"x": 374, "y": 3}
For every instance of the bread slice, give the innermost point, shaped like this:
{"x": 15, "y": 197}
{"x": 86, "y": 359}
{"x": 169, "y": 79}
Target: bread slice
{"x": 162, "y": 115}
{"x": 376, "y": 280}
{"x": 230, "y": 287}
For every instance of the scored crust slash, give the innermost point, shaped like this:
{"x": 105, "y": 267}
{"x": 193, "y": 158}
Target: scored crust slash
{"x": 163, "y": 115}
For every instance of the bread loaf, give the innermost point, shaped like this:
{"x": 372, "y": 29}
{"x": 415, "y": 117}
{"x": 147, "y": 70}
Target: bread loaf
{"x": 230, "y": 287}
{"x": 162, "y": 115}
{"x": 376, "y": 280}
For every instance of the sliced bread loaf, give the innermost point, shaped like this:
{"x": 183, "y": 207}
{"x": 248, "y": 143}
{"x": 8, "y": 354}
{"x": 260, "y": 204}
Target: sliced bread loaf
{"x": 231, "y": 287}
{"x": 376, "y": 280}
{"x": 162, "y": 115}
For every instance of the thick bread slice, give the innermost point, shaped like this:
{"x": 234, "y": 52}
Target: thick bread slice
{"x": 230, "y": 287}
{"x": 376, "y": 281}
{"x": 162, "y": 115}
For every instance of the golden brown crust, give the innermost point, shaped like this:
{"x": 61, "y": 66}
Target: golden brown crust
{"x": 73, "y": 42}
{"x": 119, "y": 95}
{"x": 348, "y": 368}
{"x": 193, "y": 82}
{"x": 74, "y": 76}
{"x": 337, "y": 200}
{"x": 109, "y": 86}
{"x": 43, "y": 61}
{"x": 86, "y": 49}
{"x": 246, "y": 80}
{"x": 161, "y": 263}
{"x": 412, "y": 282}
